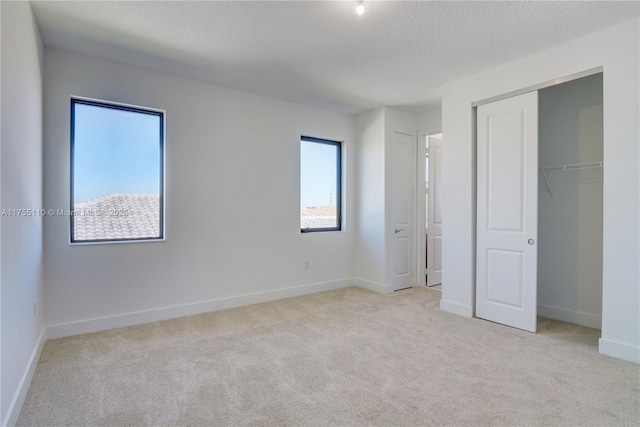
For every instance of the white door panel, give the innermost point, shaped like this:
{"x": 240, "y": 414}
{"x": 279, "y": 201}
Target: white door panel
{"x": 505, "y": 171}
{"x": 434, "y": 236}
{"x": 507, "y": 209}
{"x": 437, "y": 259}
{"x": 403, "y": 264}
{"x": 504, "y": 268}
{"x": 403, "y": 199}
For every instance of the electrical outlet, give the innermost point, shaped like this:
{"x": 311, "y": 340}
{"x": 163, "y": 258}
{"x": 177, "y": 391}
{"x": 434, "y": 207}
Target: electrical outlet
{"x": 306, "y": 264}
{"x": 34, "y": 308}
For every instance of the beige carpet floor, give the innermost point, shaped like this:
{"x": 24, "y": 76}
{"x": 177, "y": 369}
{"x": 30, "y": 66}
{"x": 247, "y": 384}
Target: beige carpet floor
{"x": 347, "y": 358}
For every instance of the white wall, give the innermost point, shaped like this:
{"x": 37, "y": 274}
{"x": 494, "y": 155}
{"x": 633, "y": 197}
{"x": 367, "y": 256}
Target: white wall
{"x": 570, "y": 222}
{"x": 232, "y": 196}
{"x": 430, "y": 122}
{"x": 370, "y": 258}
{"x": 616, "y": 49}
{"x": 374, "y": 133}
{"x": 21, "y": 169}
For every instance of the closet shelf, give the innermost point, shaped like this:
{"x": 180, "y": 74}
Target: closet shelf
{"x": 567, "y": 168}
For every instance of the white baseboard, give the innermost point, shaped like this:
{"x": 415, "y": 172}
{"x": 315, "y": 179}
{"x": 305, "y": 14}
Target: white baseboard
{"x": 456, "y": 308}
{"x": 373, "y": 286}
{"x": 137, "y": 318}
{"x": 630, "y": 353}
{"x": 23, "y": 386}
{"x": 571, "y": 316}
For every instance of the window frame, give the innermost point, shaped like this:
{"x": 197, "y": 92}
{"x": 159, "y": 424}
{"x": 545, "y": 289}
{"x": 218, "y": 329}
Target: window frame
{"x": 338, "y": 145}
{"x": 161, "y": 114}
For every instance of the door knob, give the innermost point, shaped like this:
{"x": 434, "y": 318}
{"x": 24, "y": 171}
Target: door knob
{"x": 397, "y": 230}
{"x": 531, "y": 241}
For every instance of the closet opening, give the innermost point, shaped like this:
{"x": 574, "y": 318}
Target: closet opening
{"x": 570, "y": 201}
{"x": 539, "y": 206}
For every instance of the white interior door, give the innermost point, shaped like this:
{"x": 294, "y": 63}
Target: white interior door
{"x": 507, "y": 211}
{"x": 403, "y": 196}
{"x": 434, "y": 234}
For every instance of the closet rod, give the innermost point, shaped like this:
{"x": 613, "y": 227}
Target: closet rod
{"x": 573, "y": 166}
{"x": 567, "y": 168}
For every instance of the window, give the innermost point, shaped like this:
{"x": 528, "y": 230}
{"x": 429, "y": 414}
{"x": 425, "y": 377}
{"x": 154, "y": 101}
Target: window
{"x": 320, "y": 185}
{"x": 117, "y": 172}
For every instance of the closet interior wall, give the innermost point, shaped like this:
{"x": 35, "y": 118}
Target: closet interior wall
{"x": 570, "y": 215}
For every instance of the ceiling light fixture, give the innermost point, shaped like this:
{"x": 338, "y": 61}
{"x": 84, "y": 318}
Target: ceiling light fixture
{"x": 360, "y": 8}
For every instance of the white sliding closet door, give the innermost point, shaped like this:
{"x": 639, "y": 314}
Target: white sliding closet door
{"x": 507, "y": 211}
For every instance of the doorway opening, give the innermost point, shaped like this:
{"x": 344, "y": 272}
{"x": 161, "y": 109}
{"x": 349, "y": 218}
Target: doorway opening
{"x": 433, "y": 210}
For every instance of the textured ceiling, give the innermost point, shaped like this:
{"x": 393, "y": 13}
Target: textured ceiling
{"x": 320, "y": 53}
